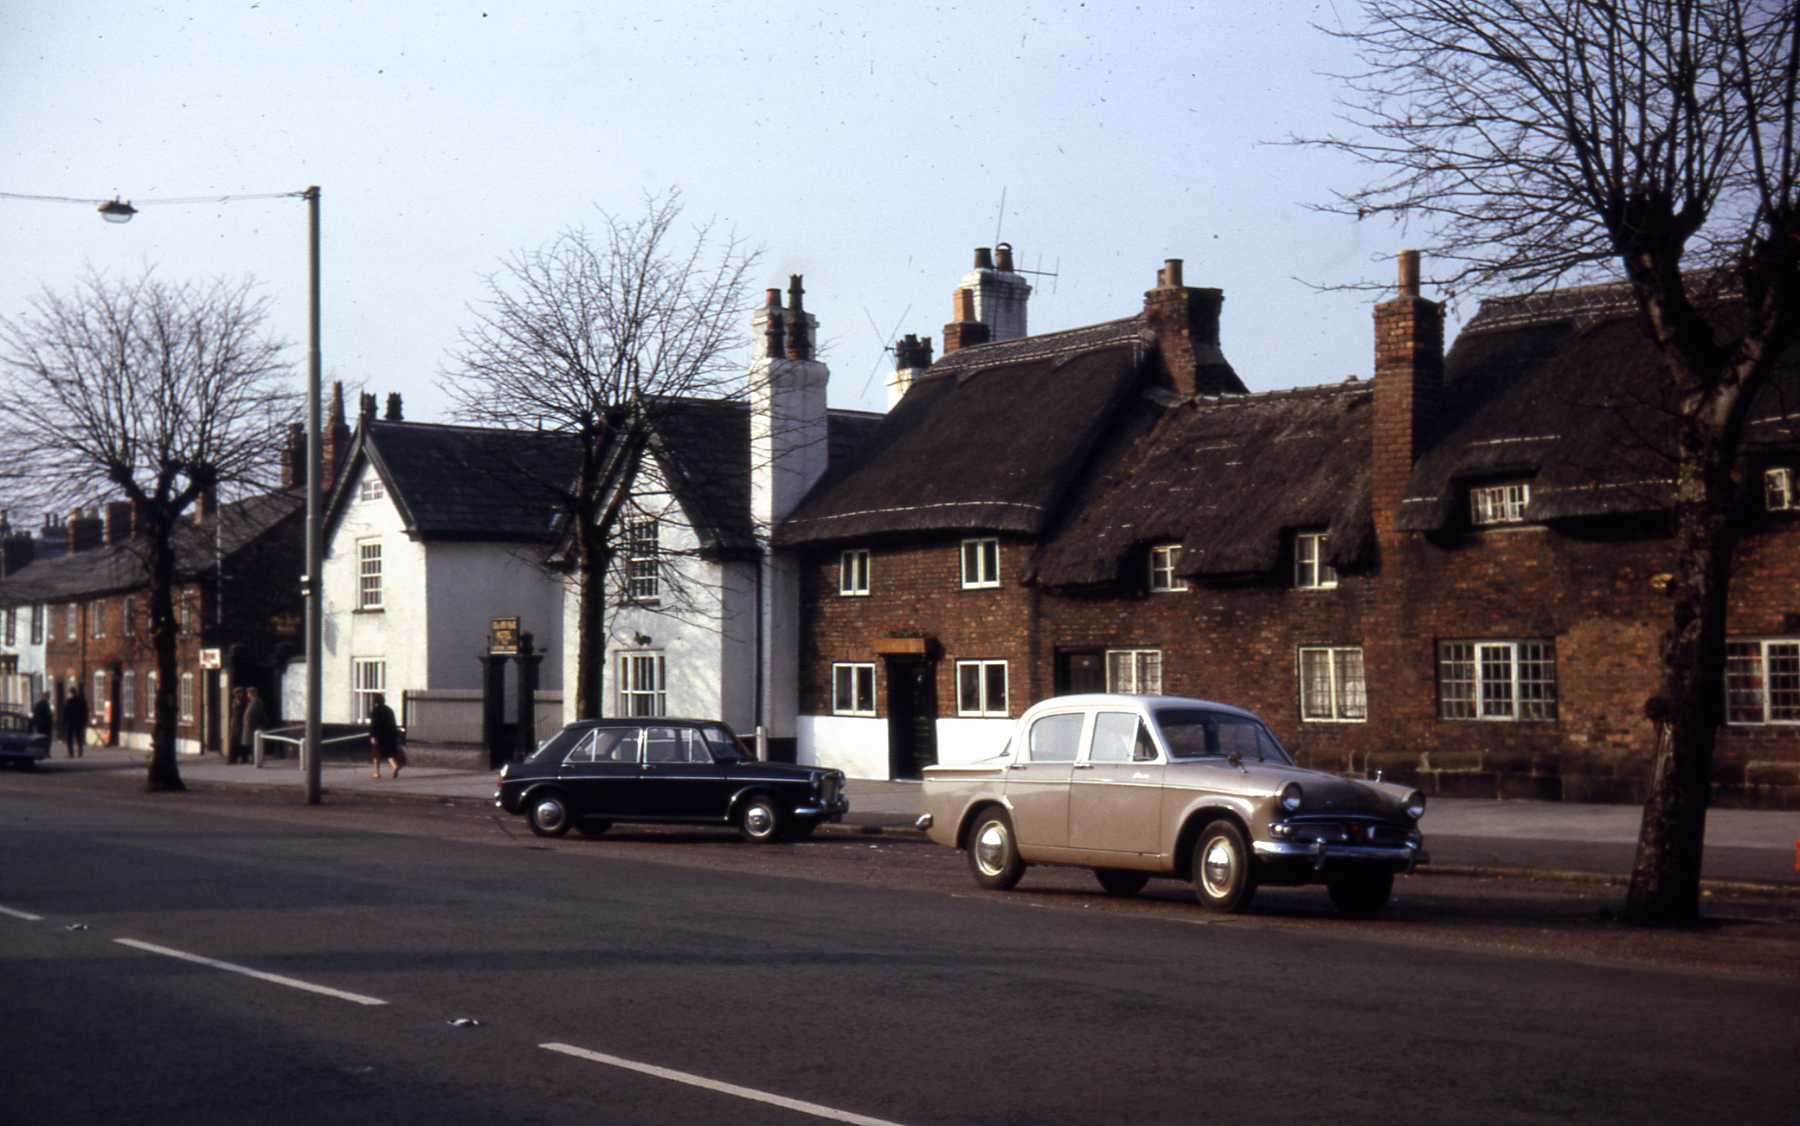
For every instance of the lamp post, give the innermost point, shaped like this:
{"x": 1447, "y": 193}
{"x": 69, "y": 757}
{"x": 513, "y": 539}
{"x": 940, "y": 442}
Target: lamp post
{"x": 120, "y": 211}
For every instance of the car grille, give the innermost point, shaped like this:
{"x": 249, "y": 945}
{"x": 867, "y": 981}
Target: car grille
{"x": 1349, "y": 830}
{"x": 829, "y": 787}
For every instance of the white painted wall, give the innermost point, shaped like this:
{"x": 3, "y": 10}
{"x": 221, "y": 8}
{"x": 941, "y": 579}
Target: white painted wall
{"x": 398, "y": 631}
{"x": 467, "y": 584}
{"x": 858, "y": 745}
{"x": 31, "y": 657}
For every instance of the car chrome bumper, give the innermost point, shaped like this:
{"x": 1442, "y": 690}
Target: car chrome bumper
{"x": 1320, "y": 853}
{"x": 825, "y": 811}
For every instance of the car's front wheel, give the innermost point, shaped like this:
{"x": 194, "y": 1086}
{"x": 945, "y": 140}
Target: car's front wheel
{"x": 1121, "y": 881}
{"x": 1222, "y": 875}
{"x": 1360, "y": 894}
{"x": 759, "y": 819}
{"x": 548, "y": 814}
{"x": 993, "y": 854}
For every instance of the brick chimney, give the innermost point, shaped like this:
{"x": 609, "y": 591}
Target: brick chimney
{"x": 912, "y": 357}
{"x": 1001, "y": 293}
{"x": 293, "y": 457}
{"x": 17, "y": 547}
{"x": 966, "y": 330}
{"x": 335, "y": 445}
{"x": 118, "y": 521}
{"x": 393, "y": 408}
{"x": 1409, "y": 385}
{"x": 1185, "y": 322}
{"x": 84, "y": 529}
{"x": 206, "y": 505}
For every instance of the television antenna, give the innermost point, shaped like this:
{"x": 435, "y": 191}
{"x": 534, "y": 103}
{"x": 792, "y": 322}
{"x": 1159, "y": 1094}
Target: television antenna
{"x": 887, "y": 343}
{"x": 1052, "y": 273}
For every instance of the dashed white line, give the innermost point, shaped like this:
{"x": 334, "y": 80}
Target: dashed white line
{"x": 26, "y": 915}
{"x": 732, "y": 1089}
{"x": 275, "y": 979}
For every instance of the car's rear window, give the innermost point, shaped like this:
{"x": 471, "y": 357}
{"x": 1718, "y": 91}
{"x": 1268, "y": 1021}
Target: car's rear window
{"x": 553, "y": 748}
{"x": 1201, "y": 733}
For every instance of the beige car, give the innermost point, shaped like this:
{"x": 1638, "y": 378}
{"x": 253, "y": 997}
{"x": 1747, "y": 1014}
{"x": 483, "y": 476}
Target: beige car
{"x": 1142, "y": 786}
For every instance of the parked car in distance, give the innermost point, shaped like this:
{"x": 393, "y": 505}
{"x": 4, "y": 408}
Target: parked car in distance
{"x": 20, "y": 746}
{"x": 595, "y": 772}
{"x": 1141, "y": 786}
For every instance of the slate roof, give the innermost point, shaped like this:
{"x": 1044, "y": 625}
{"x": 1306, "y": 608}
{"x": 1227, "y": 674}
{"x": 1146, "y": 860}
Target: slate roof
{"x": 1566, "y": 389}
{"x": 465, "y": 482}
{"x": 1228, "y": 479}
{"x": 115, "y": 568}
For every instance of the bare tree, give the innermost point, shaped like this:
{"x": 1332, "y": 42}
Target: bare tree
{"x": 587, "y": 335}
{"x": 156, "y": 392}
{"x": 1540, "y": 140}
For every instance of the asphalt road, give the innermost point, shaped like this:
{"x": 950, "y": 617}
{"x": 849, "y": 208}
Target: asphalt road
{"x": 690, "y": 978}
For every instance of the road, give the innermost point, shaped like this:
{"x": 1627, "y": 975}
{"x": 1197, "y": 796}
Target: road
{"x": 687, "y": 978}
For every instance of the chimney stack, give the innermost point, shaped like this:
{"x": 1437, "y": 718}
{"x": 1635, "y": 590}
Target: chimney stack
{"x": 334, "y": 445}
{"x": 84, "y": 529}
{"x": 799, "y": 338}
{"x": 118, "y": 521}
{"x": 774, "y": 326}
{"x": 293, "y": 457}
{"x": 393, "y": 408}
{"x": 17, "y": 549}
{"x": 1000, "y": 295}
{"x": 966, "y": 330}
{"x": 1185, "y": 322}
{"x": 912, "y": 356}
{"x": 1409, "y": 385}
{"x": 206, "y": 505}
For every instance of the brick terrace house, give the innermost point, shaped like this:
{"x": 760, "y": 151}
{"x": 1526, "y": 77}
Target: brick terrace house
{"x": 1449, "y": 573}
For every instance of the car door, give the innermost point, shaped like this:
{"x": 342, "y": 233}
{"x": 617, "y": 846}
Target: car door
{"x": 1115, "y": 791}
{"x": 680, "y": 779}
{"x": 1037, "y": 785}
{"x": 601, "y": 772}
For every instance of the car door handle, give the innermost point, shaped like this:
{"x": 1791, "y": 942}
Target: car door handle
{"x": 1017, "y": 765}
{"x": 1084, "y": 766}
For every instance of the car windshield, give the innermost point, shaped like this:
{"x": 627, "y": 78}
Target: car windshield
{"x": 725, "y": 746}
{"x": 1192, "y": 733}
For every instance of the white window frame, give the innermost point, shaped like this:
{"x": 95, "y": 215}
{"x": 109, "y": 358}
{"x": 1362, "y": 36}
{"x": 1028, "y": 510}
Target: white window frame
{"x": 1499, "y": 687}
{"x": 1164, "y": 558}
{"x": 643, "y": 561}
{"x": 150, "y": 689}
{"x": 96, "y": 619}
{"x": 984, "y": 703}
{"x": 370, "y": 589}
{"x": 40, "y": 618}
{"x": 856, "y": 672}
{"x": 184, "y": 606}
{"x": 643, "y": 683}
{"x": 371, "y": 487}
{"x": 12, "y": 626}
{"x": 1502, "y": 503}
{"x": 980, "y": 563}
{"x": 853, "y": 573}
{"x": 128, "y": 694}
{"x": 97, "y": 705}
{"x": 128, "y": 627}
{"x": 1778, "y": 489}
{"x": 1145, "y": 671}
{"x": 1311, "y": 572}
{"x": 185, "y": 698}
{"x": 1345, "y": 684}
{"x": 73, "y": 632}
{"x": 368, "y": 676}
{"x": 1748, "y": 661}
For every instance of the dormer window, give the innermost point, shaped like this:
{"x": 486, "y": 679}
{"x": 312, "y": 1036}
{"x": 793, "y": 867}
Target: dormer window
{"x": 1499, "y": 504}
{"x": 1778, "y": 489}
{"x": 1311, "y": 572}
{"x": 1164, "y": 558}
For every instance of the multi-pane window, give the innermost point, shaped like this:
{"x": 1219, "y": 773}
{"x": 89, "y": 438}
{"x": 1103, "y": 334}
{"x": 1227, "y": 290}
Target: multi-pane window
{"x": 642, "y": 566}
{"x": 853, "y": 689}
{"x": 1331, "y": 684}
{"x": 980, "y": 563}
{"x": 853, "y": 572}
{"x": 1497, "y": 680}
{"x": 187, "y": 698}
{"x": 73, "y": 629}
{"x": 128, "y": 693}
{"x": 370, "y": 489}
{"x": 1311, "y": 572}
{"x": 1164, "y": 558}
{"x": 1499, "y": 504}
{"x": 39, "y": 615}
{"x": 981, "y": 688}
{"x": 368, "y": 677}
{"x": 368, "y": 575}
{"x": 643, "y": 688}
{"x": 1134, "y": 670}
{"x": 129, "y": 626}
{"x": 184, "y": 606}
{"x": 97, "y": 704}
{"x": 1762, "y": 681}
{"x": 150, "y": 696}
{"x": 96, "y": 619}
{"x": 1778, "y": 490}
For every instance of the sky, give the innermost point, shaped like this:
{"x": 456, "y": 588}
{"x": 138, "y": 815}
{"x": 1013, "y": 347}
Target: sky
{"x": 867, "y": 146}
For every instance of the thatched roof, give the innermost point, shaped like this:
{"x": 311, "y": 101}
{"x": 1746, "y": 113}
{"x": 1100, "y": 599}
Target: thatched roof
{"x": 1565, "y": 389}
{"x": 989, "y": 439}
{"x": 1228, "y": 479}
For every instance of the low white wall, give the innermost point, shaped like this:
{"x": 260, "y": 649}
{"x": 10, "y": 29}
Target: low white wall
{"x": 856, "y": 745}
{"x": 962, "y": 741}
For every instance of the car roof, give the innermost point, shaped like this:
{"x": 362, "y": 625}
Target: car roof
{"x": 1132, "y": 702}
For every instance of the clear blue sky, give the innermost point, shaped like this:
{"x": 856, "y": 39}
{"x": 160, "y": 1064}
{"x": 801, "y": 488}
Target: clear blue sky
{"x": 865, "y": 145}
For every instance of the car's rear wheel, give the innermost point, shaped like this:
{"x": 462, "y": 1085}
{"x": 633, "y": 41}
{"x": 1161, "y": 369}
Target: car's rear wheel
{"x": 1222, "y": 876}
{"x": 1121, "y": 881}
{"x": 1360, "y": 894}
{"x": 548, "y": 814}
{"x": 993, "y": 853}
{"x": 593, "y": 828}
{"x": 760, "y": 819}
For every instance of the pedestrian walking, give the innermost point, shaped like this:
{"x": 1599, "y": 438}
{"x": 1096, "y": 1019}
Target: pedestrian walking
{"x": 235, "y": 751}
{"x": 256, "y": 717}
{"x": 384, "y": 737}
{"x": 75, "y": 723}
{"x": 43, "y": 723}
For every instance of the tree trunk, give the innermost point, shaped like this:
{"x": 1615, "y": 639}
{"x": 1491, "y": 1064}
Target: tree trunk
{"x": 590, "y": 615}
{"x": 164, "y": 775}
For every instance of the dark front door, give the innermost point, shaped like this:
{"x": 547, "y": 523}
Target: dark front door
{"x": 912, "y": 715}
{"x": 1080, "y": 670}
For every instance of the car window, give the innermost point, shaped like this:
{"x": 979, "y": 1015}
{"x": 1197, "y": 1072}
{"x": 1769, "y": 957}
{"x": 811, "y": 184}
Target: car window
{"x": 13, "y": 721}
{"x": 725, "y": 746}
{"x": 1115, "y": 738}
{"x": 555, "y": 747}
{"x": 1055, "y": 738}
{"x": 674, "y": 744}
{"x": 1198, "y": 733}
{"x": 605, "y": 744}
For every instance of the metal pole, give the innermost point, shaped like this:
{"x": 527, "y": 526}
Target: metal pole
{"x": 314, "y": 516}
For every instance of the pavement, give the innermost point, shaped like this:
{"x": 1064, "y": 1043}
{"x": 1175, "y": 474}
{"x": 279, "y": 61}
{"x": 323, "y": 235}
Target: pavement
{"x": 1755, "y": 849}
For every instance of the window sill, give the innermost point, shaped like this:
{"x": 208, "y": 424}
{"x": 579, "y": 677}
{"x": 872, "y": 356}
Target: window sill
{"x": 980, "y": 586}
{"x": 853, "y": 594}
{"x": 370, "y": 610}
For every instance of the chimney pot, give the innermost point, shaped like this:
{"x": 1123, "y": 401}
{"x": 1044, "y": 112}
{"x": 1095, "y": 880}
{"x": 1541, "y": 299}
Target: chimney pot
{"x": 1003, "y": 259}
{"x": 1171, "y": 273}
{"x": 772, "y": 298}
{"x": 984, "y": 258}
{"x": 1409, "y": 273}
{"x": 799, "y": 342}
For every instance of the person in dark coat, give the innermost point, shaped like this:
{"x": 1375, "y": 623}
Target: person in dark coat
{"x": 42, "y": 722}
{"x": 384, "y": 737}
{"x": 75, "y": 723}
{"x": 256, "y": 717}
{"x": 235, "y": 751}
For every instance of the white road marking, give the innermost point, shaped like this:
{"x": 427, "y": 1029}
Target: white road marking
{"x": 276, "y": 979}
{"x": 26, "y": 915}
{"x": 732, "y": 1089}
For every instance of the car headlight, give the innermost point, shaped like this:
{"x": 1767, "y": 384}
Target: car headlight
{"x": 1292, "y": 797}
{"x": 1415, "y": 805}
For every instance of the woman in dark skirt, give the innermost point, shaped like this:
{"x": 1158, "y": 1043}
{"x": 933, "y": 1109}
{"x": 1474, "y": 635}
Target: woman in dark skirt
{"x": 384, "y": 737}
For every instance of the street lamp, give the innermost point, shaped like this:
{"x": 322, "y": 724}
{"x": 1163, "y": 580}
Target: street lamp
{"x": 116, "y": 210}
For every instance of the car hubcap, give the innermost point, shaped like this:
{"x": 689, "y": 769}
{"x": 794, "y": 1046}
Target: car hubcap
{"x": 1216, "y": 869}
{"x": 990, "y": 848}
{"x": 758, "y": 819}
{"x": 550, "y": 814}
